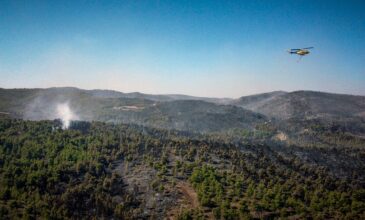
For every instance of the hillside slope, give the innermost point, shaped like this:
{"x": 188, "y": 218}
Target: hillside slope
{"x": 165, "y": 111}
{"x": 96, "y": 170}
{"x": 304, "y": 105}
{"x": 294, "y": 109}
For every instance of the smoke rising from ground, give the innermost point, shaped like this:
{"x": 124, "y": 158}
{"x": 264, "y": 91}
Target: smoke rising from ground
{"x": 65, "y": 114}
{"x": 53, "y": 104}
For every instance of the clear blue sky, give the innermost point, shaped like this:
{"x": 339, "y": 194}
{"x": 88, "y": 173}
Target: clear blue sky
{"x": 203, "y": 48}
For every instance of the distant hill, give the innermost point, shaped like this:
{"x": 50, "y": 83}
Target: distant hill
{"x": 160, "y": 98}
{"x": 304, "y": 105}
{"x": 199, "y": 116}
{"x": 187, "y": 112}
{"x": 166, "y": 111}
{"x": 256, "y": 101}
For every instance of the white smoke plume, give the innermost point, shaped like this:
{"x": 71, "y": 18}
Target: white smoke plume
{"x": 65, "y": 114}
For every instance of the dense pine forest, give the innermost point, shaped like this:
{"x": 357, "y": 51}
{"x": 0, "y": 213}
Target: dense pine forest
{"x": 99, "y": 170}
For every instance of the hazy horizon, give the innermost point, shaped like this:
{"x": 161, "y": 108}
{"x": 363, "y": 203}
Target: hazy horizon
{"x": 207, "y": 49}
{"x": 221, "y": 97}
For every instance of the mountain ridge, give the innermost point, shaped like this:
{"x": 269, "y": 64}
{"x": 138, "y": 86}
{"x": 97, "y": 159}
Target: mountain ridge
{"x": 184, "y": 112}
{"x": 302, "y": 104}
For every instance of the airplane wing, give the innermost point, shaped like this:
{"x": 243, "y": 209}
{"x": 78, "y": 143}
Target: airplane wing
{"x": 308, "y": 48}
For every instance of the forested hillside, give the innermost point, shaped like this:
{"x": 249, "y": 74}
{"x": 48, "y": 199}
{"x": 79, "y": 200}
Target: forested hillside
{"x": 304, "y": 104}
{"x": 100, "y": 170}
{"x": 188, "y": 113}
{"x": 161, "y": 111}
